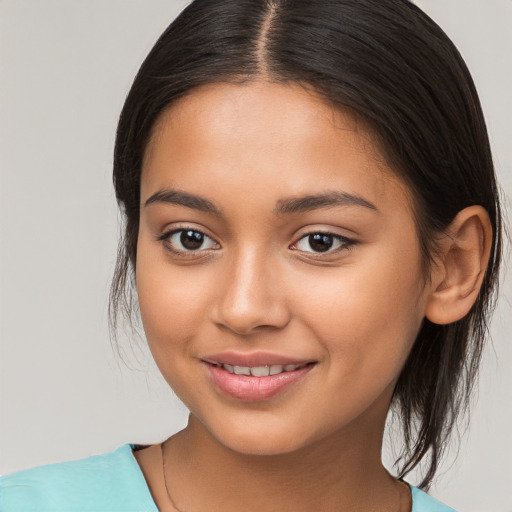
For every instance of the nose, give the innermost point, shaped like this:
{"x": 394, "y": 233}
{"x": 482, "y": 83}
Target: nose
{"x": 252, "y": 295}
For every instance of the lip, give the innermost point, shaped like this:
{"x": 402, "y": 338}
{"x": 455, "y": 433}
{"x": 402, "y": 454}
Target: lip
{"x": 252, "y": 359}
{"x": 254, "y": 389}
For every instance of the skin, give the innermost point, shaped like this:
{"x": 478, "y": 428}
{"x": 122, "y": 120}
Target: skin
{"x": 257, "y": 285}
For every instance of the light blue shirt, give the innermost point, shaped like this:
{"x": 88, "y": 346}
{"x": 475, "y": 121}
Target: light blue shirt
{"x": 105, "y": 483}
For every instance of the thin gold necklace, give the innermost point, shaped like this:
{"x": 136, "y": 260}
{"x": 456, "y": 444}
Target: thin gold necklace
{"x": 162, "y": 450}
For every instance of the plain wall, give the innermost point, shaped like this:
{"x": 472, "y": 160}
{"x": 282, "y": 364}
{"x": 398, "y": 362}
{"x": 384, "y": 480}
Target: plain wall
{"x": 66, "y": 67}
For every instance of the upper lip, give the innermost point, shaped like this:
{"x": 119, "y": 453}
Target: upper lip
{"x": 253, "y": 359}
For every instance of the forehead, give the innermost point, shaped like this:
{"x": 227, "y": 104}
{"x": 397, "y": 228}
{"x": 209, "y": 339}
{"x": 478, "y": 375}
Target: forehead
{"x": 223, "y": 109}
{"x": 263, "y": 134}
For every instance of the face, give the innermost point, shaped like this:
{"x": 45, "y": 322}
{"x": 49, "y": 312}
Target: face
{"x": 278, "y": 267}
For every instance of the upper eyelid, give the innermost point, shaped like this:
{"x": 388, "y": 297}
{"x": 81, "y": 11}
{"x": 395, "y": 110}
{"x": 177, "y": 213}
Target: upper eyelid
{"x": 326, "y": 229}
{"x": 323, "y": 232}
{"x": 166, "y": 231}
{"x": 334, "y": 235}
{"x": 172, "y": 231}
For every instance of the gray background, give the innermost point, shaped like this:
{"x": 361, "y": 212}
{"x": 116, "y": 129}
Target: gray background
{"x": 65, "y": 69}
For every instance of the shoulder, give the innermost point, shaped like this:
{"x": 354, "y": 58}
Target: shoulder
{"x": 111, "y": 482}
{"x": 422, "y": 502}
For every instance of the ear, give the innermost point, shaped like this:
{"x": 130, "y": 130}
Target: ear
{"x": 461, "y": 266}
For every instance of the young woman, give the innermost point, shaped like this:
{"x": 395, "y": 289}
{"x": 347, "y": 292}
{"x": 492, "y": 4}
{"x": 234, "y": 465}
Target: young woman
{"x": 314, "y": 232}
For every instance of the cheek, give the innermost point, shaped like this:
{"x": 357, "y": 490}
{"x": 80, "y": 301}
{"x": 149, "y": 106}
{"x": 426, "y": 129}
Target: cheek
{"x": 172, "y": 300}
{"x": 171, "y": 308}
{"x": 367, "y": 315}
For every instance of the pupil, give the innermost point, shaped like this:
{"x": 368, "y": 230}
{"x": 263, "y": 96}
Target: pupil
{"x": 320, "y": 242}
{"x": 191, "y": 239}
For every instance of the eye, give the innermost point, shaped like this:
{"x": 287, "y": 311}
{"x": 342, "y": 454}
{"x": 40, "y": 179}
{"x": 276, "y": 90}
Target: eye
{"x": 187, "y": 241}
{"x": 323, "y": 242}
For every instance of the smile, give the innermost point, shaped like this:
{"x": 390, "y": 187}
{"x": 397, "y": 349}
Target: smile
{"x": 254, "y": 377}
{"x": 260, "y": 371}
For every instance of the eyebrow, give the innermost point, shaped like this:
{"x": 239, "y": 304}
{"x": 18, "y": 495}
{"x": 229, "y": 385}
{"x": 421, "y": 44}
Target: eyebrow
{"x": 183, "y": 199}
{"x": 317, "y": 201}
{"x": 284, "y": 206}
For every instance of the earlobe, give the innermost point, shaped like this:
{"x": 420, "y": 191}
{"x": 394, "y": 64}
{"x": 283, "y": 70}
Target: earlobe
{"x": 461, "y": 266}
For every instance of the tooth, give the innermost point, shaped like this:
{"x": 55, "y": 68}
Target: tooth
{"x": 275, "y": 369}
{"x": 229, "y": 368}
{"x": 242, "y": 370}
{"x": 290, "y": 367}
{"x": 260, "y": 371}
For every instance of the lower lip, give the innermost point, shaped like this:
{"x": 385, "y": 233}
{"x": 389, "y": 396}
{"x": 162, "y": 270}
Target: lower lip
{"x": 254, "y": 389}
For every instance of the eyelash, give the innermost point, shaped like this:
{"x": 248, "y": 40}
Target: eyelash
{"x": 345, "y": 243}
{"x": 166, "y": 239}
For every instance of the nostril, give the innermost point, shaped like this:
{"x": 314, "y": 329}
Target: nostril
{"x": 248, "y": 329}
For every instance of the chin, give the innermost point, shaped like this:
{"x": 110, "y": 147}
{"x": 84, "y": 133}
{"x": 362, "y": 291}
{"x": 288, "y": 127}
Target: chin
{"x": 266, "y": 445}
{"x": 260, "y": 439}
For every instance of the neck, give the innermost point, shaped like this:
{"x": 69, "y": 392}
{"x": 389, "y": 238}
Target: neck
{"x": 337, "y": 473}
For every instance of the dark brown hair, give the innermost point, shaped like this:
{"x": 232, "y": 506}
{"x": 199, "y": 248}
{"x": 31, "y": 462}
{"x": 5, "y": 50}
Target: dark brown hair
{"x": 390, "y": 65}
